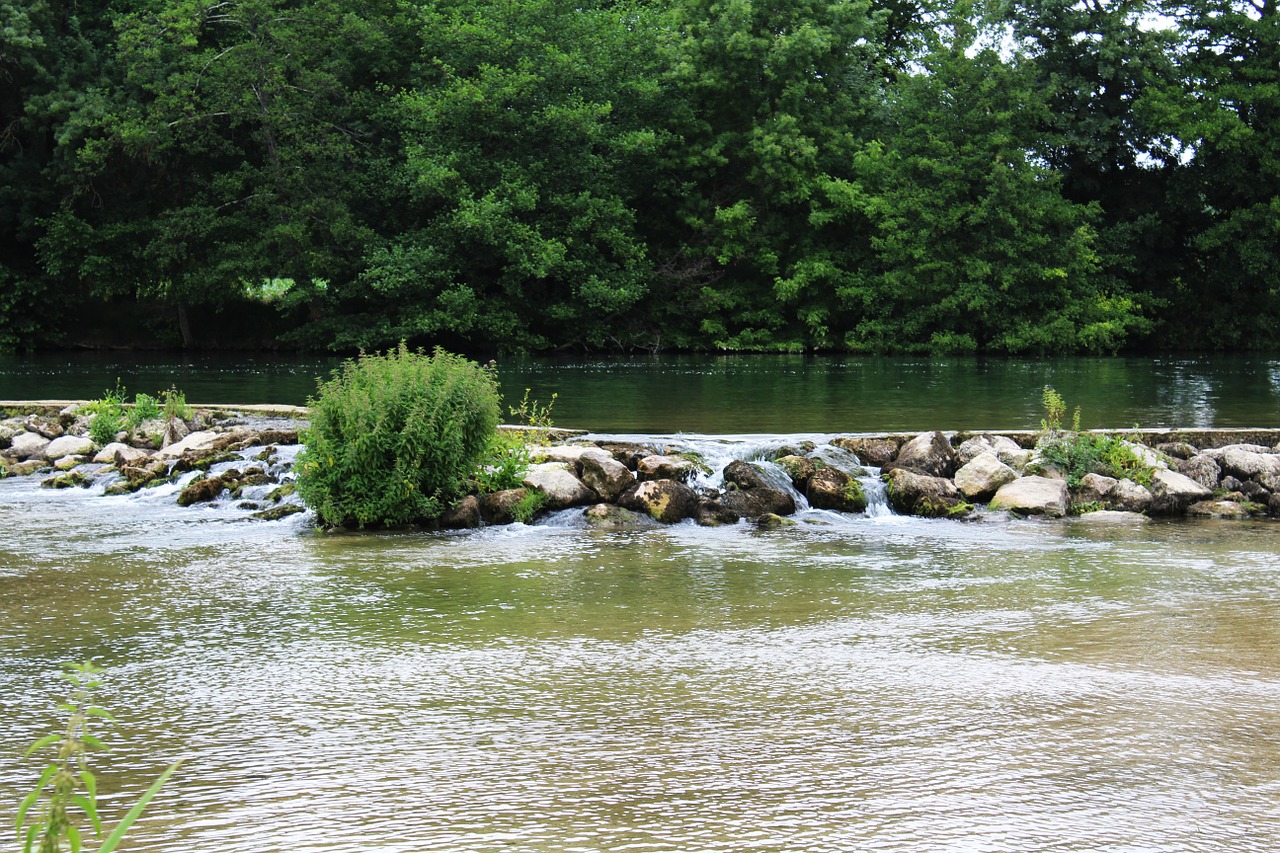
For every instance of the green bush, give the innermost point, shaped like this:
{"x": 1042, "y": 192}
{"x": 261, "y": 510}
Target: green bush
{"x": 1077, "y": 453}
{"x": 394, "y": 436}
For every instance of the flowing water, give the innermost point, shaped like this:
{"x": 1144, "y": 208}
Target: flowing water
{"x": 850, "y": 683}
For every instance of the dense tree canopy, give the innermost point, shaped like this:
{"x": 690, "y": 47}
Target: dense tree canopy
{"x": 1032, "y": 176}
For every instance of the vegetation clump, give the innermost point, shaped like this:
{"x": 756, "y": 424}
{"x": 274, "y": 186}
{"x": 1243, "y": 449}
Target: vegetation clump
{"x": 394, "y": 436}
{"x": 1076, "y": 453}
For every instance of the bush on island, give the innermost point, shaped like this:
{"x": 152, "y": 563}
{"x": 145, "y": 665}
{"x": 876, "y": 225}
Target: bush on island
{"x": 394, "y": 436}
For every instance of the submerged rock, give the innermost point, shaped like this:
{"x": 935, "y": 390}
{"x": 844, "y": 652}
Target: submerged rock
{"x": 1218, "y": 509}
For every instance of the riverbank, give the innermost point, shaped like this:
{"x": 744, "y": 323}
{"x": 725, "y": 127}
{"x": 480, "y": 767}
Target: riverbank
{"x": 243, "y": 455}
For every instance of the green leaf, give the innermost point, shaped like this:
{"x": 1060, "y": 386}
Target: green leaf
{"x": 42, "y": 743}
{"x": 91, "y": 811}
{"x": 23, "y": 807}
{"x": 134, "y": 813}
{"x": 73, "y": 835}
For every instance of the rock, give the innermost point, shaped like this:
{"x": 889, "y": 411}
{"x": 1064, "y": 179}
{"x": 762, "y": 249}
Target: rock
{"x": 1270, "y": 482}
{"x": 1144, "y": 454}
{"x": 831, "y": 488}
{"x": 1201, "y": 468}
{"x": 656, "y": 467}
{"x": 463, "y": 515}
{"x": 980, "y": 477}
{"x": 28, "y": 445}
{"x": 1177, "y": 450}
{"x": 175, "y": 431}
{"x": 605, "y": 475}
{"x": 107, "y": 455}
{"x": 609, "y": 515}
{"x": 829, "y": 456}
{"x": 558, "y": 483}
{"x": 769, "y": 521}
{"x": 1230, "y": 484}
{"x": 1093, "y": 489}
{"x": 201, "y": 491}
{"x": 920, "y": 494}
{"x": 667, "y": 501}
{"x": 1112, "y": 516}
{"x": 277, "y": 436}
{"x": 66, "y": 463}
{"x": 43, "y": 427}
{"x": 870, "y": 451}
{"x": 713, "y": 513}
{"x": 570, "y": 453}
{"x": 1254, "y": 491}
{"x": 1004, "y": 448}
{"x": 628, "y": 454}
{"x": 1033, "y": 496}
{"x": 69, "y": 445}
{"x": 7, "y": 433}
{"x": 276, "y": 513}
{"x": 1217, "y": 509}
{"x": 750, "y": 493}
{"x": 929, "y": 454}
{"x": 1172, "y": 493}
{"x": 500, "y": 507}
{"x": 65, "y": 480}
{"x": 1273, "y": 503}
{"x": 199, "y": 442}
{"x": 22, "y": 469}
{"x": 1128, "y": 496}
{"x": 798, "y": 468}
{"x": 1245, "y": 463}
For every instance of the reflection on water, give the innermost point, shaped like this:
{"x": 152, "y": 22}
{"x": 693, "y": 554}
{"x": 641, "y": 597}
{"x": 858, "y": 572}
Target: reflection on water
{"x": 873, "y": 684}
{"x": 742, "y": 393}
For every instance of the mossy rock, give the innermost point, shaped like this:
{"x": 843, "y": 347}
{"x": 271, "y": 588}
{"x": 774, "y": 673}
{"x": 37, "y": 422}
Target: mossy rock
{"x": 276, "y": 513}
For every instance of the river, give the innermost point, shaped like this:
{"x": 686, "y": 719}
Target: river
{"x": 864, "y": 682}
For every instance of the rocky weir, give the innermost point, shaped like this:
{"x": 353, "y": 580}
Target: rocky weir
{"x": 241, "y": 457}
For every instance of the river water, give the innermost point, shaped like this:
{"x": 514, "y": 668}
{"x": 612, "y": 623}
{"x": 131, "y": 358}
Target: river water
{"x": 851, "y": 683}
{"x": 742, "y": 393}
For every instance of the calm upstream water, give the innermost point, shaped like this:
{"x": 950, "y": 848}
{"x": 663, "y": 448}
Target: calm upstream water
{"x": 853, "y": 683}
{"x": 743, "y": 394}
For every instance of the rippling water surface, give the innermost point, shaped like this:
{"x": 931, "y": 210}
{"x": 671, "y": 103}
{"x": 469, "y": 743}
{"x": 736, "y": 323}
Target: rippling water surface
{"x": 869, "y": 683}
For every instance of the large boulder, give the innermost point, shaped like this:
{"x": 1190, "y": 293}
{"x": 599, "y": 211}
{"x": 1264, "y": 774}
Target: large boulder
{"x": 798, "y": 468}
{"x": 750, "y": 493}
{"x": 831, "y": 488}
{"x": 658, "y": 467}
{"x": 69, "y": 445}
{"x": 1202, "y": 468}
{"x": 1247, "y": 463}
{"x": 1172, "y": 493}
{"x": 667, "y": 501}
{"x": 502, "y": 507}
{"x": 28, "y": 445}
{"x": 1004, "y": 448}
{"x": 929, "y": 453}
{"x": 1093, "y": 489}
{"x": 870, "y": 451}
{"x": 919, "y": 494}
{"x": 201, "y": 491}
{"x": 605, "y": 475}
{"x": 571, "y": 453}
{"x": 558, "y": 483}
{"x": 1033, "y": 496}
{"x": 463, "y": 515}
{"x": 204, "y": 441}
{"x": 1128, "y": 496}
{"x": 1217, "y": 509}
{"x": 980, "y": 477}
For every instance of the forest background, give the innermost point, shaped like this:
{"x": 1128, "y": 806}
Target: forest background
{"x": 947, "y": 176}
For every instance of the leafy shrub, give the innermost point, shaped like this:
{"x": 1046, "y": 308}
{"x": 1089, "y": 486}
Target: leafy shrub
{"x": 393, "y": 436}
{"x": 504, "y": 462}
{"x": 175, "y": 404}
{"x": 145, "y": 407}
{"x": 1077, "y": 453}
{"x": 108, "y": 415}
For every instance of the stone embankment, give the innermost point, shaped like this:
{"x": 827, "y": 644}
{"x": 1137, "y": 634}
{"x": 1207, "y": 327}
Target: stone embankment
{"x": 245, "y": 453}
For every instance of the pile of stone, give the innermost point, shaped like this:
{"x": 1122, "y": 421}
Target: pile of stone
{"x": 156, "y": 452}
{"x": 932, "y": 475}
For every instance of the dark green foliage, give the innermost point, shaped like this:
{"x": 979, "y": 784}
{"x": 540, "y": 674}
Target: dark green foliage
{"x": 394, "y": 436}
{"x": 1027, "y": 176}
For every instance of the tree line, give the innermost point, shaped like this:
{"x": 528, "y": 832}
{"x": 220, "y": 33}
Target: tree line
{"x": 947, "y": 176}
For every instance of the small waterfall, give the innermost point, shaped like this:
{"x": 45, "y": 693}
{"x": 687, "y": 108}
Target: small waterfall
{"x": 877, "y": 497}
